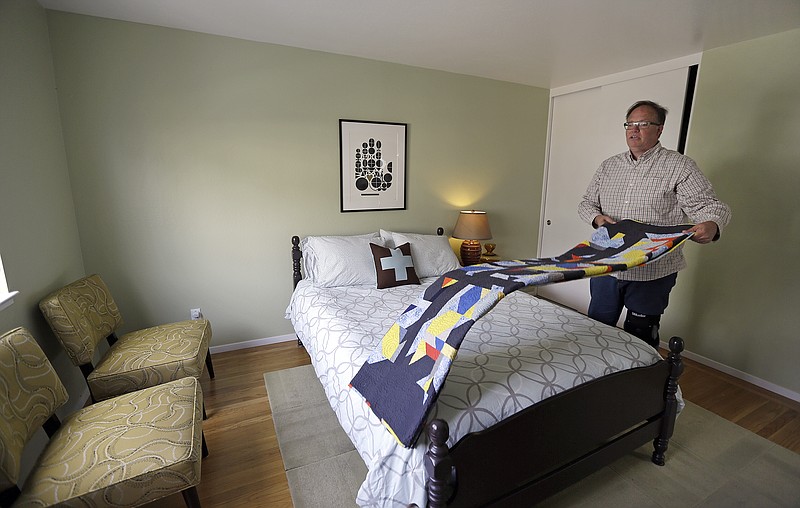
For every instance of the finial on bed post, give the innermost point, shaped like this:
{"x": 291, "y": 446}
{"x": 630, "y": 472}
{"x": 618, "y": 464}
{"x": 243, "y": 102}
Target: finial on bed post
{"x": 438, "y": 465}
{"x": 671, "y": 407}
{"x": 296, "y": 255}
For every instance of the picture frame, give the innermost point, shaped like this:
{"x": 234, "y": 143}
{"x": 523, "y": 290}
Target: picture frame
{"x": 372, "y": 165}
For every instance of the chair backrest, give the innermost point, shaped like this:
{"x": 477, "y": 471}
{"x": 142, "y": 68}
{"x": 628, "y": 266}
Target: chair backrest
{"x": 81, "y": 314}
{"x": 30, "y": 392}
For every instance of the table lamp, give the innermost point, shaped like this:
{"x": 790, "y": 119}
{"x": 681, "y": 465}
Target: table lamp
{"x": 471, "y": 226}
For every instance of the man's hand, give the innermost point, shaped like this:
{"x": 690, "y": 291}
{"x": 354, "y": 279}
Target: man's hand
{"x": 602, "y": 220}
{"x": 704, "y": 232}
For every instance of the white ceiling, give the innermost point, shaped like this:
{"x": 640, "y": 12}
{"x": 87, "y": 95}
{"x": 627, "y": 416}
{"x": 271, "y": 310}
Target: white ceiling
{"x": 545, "y": 43}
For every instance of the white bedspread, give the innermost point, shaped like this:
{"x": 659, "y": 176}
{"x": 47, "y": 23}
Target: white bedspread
{"x": 523, "y": 351}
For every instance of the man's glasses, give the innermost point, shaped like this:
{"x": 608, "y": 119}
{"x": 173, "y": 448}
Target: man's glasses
{"x": 638, "y": 125}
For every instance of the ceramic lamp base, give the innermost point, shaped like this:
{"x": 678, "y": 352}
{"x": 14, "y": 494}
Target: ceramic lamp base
{"x": 470, "y": 252}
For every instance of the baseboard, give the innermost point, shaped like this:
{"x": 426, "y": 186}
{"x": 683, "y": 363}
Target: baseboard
{"x": 744, "y": 376}
{"x": 253, "y": 343}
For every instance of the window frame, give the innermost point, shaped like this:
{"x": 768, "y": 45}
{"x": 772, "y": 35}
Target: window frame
{"x": 6, "y": 296}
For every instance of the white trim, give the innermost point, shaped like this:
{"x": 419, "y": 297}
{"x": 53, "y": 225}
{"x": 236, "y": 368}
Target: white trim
{"x": 779, "y": 390}
{"x": 545, "y": 175}
{"x": 252, "y": 343}
{"x": 669, "y": 65}
{"x": 744, "y": 376}
{"x": 6, "y": 296}
{"x": 7, "y": 299}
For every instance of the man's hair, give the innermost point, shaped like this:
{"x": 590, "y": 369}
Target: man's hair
{"x": 661, "y": 111}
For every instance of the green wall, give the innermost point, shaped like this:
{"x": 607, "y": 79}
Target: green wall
{"x": 194, "y": 158}
{"x": 39, "y": 239}
{"x": 740, "y": 297}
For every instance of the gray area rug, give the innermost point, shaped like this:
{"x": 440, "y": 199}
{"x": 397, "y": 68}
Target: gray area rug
{"x": 710, "y": 462}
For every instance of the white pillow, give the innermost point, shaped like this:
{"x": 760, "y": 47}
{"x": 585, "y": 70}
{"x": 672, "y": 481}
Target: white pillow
{"x": 432, "y": 254}
{"x": 386, "y": 236}
{"x": 331, "y": 261}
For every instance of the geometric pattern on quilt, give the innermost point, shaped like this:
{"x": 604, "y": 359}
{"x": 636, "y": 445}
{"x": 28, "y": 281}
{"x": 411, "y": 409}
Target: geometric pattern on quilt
{"x": 81, "y": 314}
{"x": 124, "y": 451}
{"x": 523, "y": 351}
{"x": 403, "y": 377}
{"x": 24, "y": 405}
{"x": 150, "y": 357}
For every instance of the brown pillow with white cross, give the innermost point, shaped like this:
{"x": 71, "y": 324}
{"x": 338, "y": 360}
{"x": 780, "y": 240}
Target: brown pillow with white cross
{"x": 394, "y": 266}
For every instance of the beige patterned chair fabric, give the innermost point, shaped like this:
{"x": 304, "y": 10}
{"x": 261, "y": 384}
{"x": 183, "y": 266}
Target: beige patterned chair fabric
{"x": 81, "y": 315}
{"x": 30, "y": 392}
{"x": 150, "y": 357}
{"x": 84, "y": 313}
{"x": 124, "y": 451}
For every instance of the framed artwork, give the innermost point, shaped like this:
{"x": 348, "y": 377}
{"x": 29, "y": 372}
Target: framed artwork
{"x": 373, "y": 165}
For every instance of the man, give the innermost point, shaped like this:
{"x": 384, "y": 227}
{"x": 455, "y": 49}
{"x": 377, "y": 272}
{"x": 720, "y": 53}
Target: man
{"x": 651, "y": 184}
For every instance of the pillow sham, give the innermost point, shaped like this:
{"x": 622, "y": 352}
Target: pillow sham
{"x": 432, "y": 254}
{"x": 331, "y": 261}
{"x": 394, "y": 266}
{"x": 386, "y": 237}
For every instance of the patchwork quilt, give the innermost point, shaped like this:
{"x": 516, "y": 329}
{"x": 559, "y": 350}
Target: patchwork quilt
{"x": 403, "y": 376}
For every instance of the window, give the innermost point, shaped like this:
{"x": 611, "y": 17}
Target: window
{"x": 6, "y": 296}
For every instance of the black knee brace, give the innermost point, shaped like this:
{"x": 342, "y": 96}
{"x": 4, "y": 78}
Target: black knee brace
{"x": 643, "y": 326}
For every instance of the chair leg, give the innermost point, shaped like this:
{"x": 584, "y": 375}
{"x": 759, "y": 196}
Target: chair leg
{"x": 191, "y": 498}
{"x": 205, "y": 415}
{"x": 209, "y": 365}
{"x": 52, "y": 425}
{"x": 87, "y": 369}
{"x": 8, "y": 496}
{"x": 205, "y": 446}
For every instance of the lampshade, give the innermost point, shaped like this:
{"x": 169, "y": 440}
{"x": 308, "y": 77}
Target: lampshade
{"x": 472, "y": 225}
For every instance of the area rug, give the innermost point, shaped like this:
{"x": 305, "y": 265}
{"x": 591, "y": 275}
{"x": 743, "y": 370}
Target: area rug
{"x": 711, "y": 462}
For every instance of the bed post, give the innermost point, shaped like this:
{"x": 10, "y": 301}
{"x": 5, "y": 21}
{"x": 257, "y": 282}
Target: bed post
{"x": 671, "y": 408}
{"x": 296, "y": 255}
{"x": 438, "y": 465}
{"x": 296, "y": 274}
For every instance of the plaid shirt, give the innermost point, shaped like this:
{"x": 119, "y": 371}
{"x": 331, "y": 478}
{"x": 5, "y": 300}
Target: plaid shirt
{"x": 662, "y": 187}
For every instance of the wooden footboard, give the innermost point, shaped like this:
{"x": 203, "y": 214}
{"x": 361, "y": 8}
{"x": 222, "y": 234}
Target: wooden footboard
{"x": 556, "y": 442}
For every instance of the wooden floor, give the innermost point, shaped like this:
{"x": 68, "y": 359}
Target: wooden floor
{"x": 244, "y": 468}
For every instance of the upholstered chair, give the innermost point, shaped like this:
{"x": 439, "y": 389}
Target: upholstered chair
{"x": 84, "y": 313}
{"x": 124, "y": 451}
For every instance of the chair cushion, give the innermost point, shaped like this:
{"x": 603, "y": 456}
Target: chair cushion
{"x": 81, "y": 314}
{"x": 150, "y": 357}
{"x": 124, "y": 451}
{"x": 30, "y": 392}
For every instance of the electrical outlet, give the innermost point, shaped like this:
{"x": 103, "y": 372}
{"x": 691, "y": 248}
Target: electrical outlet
{"x": 195, "y": 313}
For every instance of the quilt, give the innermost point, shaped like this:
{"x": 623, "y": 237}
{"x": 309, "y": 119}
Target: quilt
{"x": 403, "y": 376}
{"x": 525, "y": 350}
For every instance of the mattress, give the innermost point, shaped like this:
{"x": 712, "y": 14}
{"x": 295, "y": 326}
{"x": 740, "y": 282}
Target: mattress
{"x": 524, "y": 350}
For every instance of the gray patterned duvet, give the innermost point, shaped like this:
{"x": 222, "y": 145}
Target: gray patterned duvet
{"x": 524, "y": 350}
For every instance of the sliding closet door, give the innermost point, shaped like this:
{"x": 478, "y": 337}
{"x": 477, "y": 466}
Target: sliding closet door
{"x": 586, "y": 128}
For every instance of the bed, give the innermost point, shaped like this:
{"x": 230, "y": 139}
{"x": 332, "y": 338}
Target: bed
{"x": 538, "y": 397}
